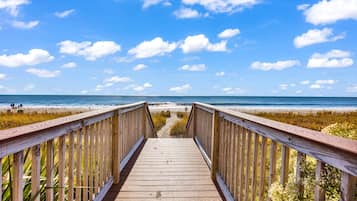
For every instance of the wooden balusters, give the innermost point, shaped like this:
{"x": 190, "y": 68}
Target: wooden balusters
{"x": 254, "y": 166}
{"x": 215, "y": 145}
{"x": 248, "y": 166}
{"x": 300, "y": 164}
{"x": 78, "y": 165}
{"x": 238, "y": 160}
{"x": 243, "y": 164}
{"x": 71, "y": 167}
{"x": 0, "y": 179}
{"x": 49, "y": 170}
{"x": 348, "y": 187}
{"x": 18, "y": 183}
{"x": 284, "y": 165}
{"x": 319, "y": 192}
{"x": 61, "y": 168}
{"x": 262, "y": 169}
{"x": 35, "y": 172}
{"x": 115, "y": 144}
{"x": 85, "y": 164}
{"x": 91, "y": 162}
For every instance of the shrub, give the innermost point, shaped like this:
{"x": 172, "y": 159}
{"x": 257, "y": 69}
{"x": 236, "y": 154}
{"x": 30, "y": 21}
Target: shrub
{"x": 182, "y": 115}
{"x": 179, "y": 128}
{"x": 166, "y": 113}
{"x": 159, "y": 120}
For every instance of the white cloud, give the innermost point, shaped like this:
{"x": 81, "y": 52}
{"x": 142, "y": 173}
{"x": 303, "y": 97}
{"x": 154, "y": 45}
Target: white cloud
{"x": 352, "y": 89}
{"x": 44, "y": 73}
{"x": 33, "y": 57}
{"x": 148, "y": 3}
{"x": 320, "y": 84}
{"x": 64, "y": 14}
{"x": 195, "y": 67}
{"x": 29, "y": 87}
{"x": 155, "y": 47}
{"x": 12, "y": 6}
{"x": 90, "y": 51}
{"x": 327, "y": 12}
{"x": 187, "y": 13}
{"x": 116, "y": 79}
{"x": 142, "y": 87}
{"x": 2, "y": 76}
{"x": 69, "y": 65}
{"x": 305, "y": 82}
{"x": 302, "y": 6}
{"x": 222, "y": 6}
{"x": 231, "y": 90}
{"x": 181, "y": 89}
{"x": 283, "y": 86}
{"x": 220, "y": 74}
{"x": 25, "y": 25}
{"x": 229, "y": 33}
{"x": 332, "y": 59}
{"x": 139, "y": 67}
{"x": 315, "y": 36}
{"x": 279, "y": 65}
{"x": 200, "y": 42}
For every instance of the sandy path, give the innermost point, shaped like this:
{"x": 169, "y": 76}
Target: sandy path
{"x": 164, "y": 132}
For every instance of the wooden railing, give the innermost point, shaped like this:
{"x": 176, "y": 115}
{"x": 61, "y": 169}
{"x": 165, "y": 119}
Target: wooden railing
{"x": 243, "y": 152}
{"x": 77, "y": 157}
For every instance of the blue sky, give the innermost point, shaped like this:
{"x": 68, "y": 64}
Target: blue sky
{"x": 182, "y": 47}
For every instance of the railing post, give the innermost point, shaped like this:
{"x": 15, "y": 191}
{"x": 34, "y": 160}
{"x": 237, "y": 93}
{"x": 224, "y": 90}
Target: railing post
{"x": 0, "y": 179}
{"x": 18, "y": 184}
{"x": 115, "y": 145}
{"x": 319, "y": 191}
{"x": 348, "y": 186}
{"x": 194, "y": 120}
{"x": 215, "y": 144}
{"x": 144, "y": 121}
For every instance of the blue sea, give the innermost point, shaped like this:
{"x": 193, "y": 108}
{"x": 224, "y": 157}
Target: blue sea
{"x": 245, "y": 101}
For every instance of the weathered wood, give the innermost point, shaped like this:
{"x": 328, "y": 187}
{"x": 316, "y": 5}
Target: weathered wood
{"x": 18, "y": 182}
{"x": 71, "y": 167}
{"x": 300, "y": 164}
{"x": 49, "y": 170}
{"x": 255, "y": 166}
{"x": 248, "y": 165}
{"x": 348, "y": 187}
{"x": 79, "y": 165}
{"x": 262, "y": 169}
{"x": 85, "y": 163}
{"x": 0, "y": 179}
{"x": 285, "y": 155}
{"x": 319, "y": 191}
{"x": 215, "y": 145}
{"x": 35, "y": 172}
{"x": 91, "y": 162}
{"x": 61, "y": 168}
{"x": 238, "y": 147}
{"x": 243, "y": 164}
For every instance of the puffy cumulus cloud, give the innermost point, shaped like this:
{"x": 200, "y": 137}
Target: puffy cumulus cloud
{"x": 64, "y": 13}
{"x": 25, "y": 25}
{"x": 327, "y": 12}
{"x": 315, "y": 36}
{"x": 229, "y": 33}
{"x": 43, "y": 73}
{"x": 90, "y": 51}
{"x": 332, "y": 59}
{"x": 200, "y": 42}
{"x": 139, "y": 67}
{"x": 33, "y": 57}
{"x": 220, "y": 74}
{"x": 187, "y": 13}
{"x": 232, "y": 90}
{"x": 181, "y": 89}
{"x": 116, "y": 79}
{"x": 195, "y": 67}
{"x": 155, "y": 47}
{"x": 222, "y": 6}
{"x": 12, "y": 6}
{"x": 2, "y": 76}
{"x": 69, "y": 65}
{"x": 278, "y": 65}
{"x": 148, "y": 3}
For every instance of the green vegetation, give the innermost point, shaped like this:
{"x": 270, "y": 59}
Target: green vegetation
{"x": 342, "y": 124}
{"x": 10, "y": 120}
{"x": 179, "y": 128}
{"x": 159, "y": 119}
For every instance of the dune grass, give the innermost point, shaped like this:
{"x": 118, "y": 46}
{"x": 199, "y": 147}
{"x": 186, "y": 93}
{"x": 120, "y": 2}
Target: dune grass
{"x": 179, "y": 128}
{"x": 159, "y": 119}
{"x": 11, "y": 120}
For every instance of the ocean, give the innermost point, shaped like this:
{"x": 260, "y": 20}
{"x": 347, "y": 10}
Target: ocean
{"x": 244, "y": 101}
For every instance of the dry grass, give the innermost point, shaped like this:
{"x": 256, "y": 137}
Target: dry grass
{"x": 179, "y": 128}
{"x": 316, "y": 121}
{"x": 10, "y": 120}
{"x": 159, "y": 119}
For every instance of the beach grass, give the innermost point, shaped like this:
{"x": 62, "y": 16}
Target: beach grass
{"x": 11, "y": 120}
{"x": 159, "y": 119}
{"x": 179, "y": 128}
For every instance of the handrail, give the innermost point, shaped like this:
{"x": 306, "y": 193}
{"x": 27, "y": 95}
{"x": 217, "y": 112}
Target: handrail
{"x": 91, "y": 149}
{"x": 236, "y": 145}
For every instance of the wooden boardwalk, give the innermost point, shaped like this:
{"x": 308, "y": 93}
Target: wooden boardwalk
{"x": 169, "y": 169}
